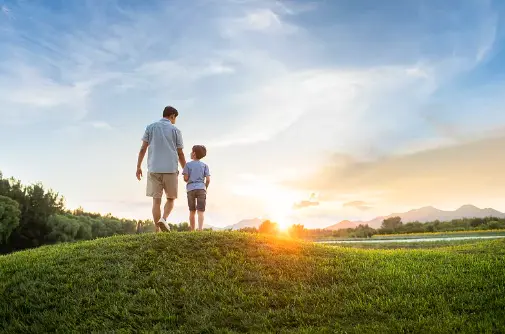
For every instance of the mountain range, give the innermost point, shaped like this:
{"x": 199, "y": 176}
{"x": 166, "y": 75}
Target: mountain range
{"x": 424, "y": 215}
{"x": 255, "y": 222}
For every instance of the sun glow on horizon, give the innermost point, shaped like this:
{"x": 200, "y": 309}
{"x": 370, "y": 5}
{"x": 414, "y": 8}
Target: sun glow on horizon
{"x": 282, "y": 224}
{"x": 277, "y": 201}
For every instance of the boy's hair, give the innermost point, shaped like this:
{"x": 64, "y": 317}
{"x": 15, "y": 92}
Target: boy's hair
{"x": 169, "y": 111}
{"x": 200, "y": 151}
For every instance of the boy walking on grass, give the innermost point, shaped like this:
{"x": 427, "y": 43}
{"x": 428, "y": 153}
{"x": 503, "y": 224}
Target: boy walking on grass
{"x": 197, "y": 176}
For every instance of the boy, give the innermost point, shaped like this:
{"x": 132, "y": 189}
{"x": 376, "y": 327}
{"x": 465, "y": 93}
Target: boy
{"x": 197, "y": 176}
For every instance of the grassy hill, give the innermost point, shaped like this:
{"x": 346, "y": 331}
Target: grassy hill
{"x": 232, "y": 282}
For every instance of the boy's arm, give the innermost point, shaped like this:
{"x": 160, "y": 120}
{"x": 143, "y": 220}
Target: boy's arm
{"x": 206, "y": 173}
{"x": 185, "y": 173}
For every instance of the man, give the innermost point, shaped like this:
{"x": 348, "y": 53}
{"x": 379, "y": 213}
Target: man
{"x": 163, "y": 142}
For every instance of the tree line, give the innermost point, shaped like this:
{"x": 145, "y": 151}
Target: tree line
{"x": 32, "y": 216}
{"x": 392, "y": 225}
{"x": 299, "y": 231}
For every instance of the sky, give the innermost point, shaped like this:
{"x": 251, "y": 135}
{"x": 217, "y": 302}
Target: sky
{"x": 312, "y": 111}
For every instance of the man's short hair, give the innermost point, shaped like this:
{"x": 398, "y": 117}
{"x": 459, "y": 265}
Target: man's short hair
{"x": 200, "y": 151}
{"x": 169, "y": 111}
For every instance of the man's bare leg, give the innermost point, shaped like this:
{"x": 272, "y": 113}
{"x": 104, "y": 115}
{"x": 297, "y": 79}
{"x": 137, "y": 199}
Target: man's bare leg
{"x": 201, "y": 217}
{"x": 192, "y": 220}
{"x": 156, "y": 212}
{"x": 169, "y": 205}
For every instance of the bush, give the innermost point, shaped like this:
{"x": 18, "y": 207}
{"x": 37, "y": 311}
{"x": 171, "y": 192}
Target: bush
{"x": 9, "y": 217}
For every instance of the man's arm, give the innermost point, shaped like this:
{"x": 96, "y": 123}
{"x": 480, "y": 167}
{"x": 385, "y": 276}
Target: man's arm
{"x": 207, "y": 181}
{"x": 142, "y": 153}
{"x": 182, "y": 158}
{"x": 180, "y": 145}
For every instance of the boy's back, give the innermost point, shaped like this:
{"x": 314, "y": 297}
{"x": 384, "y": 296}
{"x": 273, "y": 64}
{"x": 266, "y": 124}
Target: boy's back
{"x": 197, "y": 172}
{"x": 197, "y": 176}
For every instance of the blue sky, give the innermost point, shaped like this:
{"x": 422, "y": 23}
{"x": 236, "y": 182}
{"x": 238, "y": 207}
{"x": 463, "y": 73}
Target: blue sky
{"x": 289, "y": 96}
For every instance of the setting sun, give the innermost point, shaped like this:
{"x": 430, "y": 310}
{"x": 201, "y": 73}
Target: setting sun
{"x": 277, "y": 202}
{"x": 282, "y": 224}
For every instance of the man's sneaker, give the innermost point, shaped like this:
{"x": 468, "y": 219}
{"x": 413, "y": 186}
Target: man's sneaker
{"x": 162, "y": 223}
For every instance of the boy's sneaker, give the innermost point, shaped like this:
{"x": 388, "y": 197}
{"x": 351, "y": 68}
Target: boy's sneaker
{"x": 162, "y": 223}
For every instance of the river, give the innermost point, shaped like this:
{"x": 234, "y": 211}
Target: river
{"x": 412, "y": 239}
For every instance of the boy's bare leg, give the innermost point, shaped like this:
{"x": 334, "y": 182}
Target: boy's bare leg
{"x": 201, "y": 217}
{"x": 169, "y": 205}
{"x": 192, "y": 220}
{"x": 156, "y": 212}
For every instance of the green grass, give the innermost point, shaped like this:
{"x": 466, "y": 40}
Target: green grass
{"x": 229, "y": 282}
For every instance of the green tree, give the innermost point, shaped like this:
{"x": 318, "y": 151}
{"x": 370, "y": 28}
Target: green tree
{"x": 63, "y": 228}
{"x": 391, "y": 224}
{"x": 268, "y": 227}
{"x": 36, "y": 205}
{"x": 9, "y": 217}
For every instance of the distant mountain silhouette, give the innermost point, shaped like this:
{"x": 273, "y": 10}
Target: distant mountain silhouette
{"x": 255, "y": 222}
{"x": 343, "y": 225}
{"x": 424, "y": 215}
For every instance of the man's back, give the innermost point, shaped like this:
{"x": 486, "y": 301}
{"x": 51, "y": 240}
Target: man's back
{"x": 164, "y": 139}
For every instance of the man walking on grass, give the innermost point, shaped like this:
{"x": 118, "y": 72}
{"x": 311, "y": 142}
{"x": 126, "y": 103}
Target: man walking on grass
{"x": 163, "y": 143}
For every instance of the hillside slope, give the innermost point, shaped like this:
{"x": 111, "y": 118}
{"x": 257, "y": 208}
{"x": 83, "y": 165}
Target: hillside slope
{"x": 232, "y": 282}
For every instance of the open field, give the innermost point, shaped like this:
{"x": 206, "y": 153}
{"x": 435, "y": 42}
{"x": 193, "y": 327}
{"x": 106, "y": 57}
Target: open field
{"x": 234, "y": 282}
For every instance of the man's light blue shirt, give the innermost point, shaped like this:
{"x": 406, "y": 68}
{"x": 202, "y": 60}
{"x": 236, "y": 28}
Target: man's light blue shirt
{"x": 197, "y": 172}
{"x": 164, "y": 139}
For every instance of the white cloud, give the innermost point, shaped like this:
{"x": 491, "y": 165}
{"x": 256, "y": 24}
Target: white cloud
{"x": 488, "y": 38}
{"x": 101, "y": 125}
{"x": 322, "y": 104}
{"x": 25, "y": 91}
{"x": 418, "y": 72}
{"x": 264, "y": 20}
{"x": 62, "y": 71}
{"x": 179, "y": 71}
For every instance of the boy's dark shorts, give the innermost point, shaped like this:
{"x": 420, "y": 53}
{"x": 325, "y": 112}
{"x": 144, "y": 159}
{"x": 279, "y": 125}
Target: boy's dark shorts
{"x": 197, "y": 200}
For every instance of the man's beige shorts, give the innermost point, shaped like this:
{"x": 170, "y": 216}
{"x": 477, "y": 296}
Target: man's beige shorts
{"x": 157, "y": 182}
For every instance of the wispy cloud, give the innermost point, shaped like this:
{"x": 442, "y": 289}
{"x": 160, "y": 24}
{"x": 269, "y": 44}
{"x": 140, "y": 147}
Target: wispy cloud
{"x": 360, "y": 205}
{"x": 449, "y": 175}
{"x": 256, "y": 20}
{"x": 101, "y": 125}
{"x": 66, "y": 71}
{"x": 312, "y": 201}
